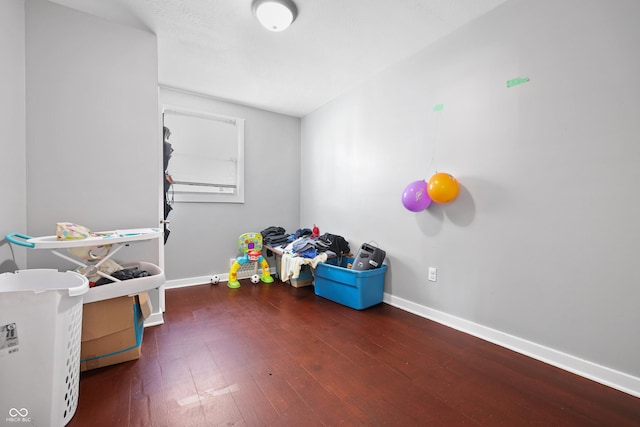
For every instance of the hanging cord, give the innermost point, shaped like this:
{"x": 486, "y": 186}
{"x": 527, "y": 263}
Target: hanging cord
{"x": 437, "y": 111}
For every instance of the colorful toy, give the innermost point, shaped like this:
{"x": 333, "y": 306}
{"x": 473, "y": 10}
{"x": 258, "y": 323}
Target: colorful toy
{"x": 250, "y": 244}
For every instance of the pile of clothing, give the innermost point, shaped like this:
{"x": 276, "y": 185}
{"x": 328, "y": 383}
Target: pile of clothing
{"x": 307, "y": 246}
{"x": 124, "y": 274}
{"x": 112, "y": 269}
{"x": 304, "y": 243}
{"x": 275, "y": 236}
{"x": 334, "y": 243}
{"x": 304, "y": 247}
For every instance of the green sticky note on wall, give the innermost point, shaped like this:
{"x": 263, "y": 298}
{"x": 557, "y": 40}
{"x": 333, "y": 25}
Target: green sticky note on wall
{"x": 517, "y": 81}
{"x": 438, "y": 107}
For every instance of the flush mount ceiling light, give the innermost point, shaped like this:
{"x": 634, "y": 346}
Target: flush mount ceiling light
{"x": 275, "y": 15}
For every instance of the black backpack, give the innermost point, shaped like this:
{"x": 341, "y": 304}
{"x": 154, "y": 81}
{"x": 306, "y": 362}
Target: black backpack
{"x": 335, "y": 243}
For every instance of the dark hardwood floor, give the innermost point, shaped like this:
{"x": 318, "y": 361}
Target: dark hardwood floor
{"x": 274, "y": 355}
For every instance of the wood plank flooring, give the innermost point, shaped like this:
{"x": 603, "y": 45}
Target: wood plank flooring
{"x": 274, "y": 355}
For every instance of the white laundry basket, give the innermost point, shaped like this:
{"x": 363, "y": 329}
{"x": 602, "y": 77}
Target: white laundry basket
{"x": 40, "y": 329}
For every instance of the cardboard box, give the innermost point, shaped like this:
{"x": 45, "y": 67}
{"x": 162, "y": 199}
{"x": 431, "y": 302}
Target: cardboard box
{"x": 112, "y": 331}
{"x": 304, "y": 279}
{"x": 145, "y": 305}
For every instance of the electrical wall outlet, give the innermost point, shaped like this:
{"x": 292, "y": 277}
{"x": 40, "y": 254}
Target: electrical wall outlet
{"x": 433, "y": 274}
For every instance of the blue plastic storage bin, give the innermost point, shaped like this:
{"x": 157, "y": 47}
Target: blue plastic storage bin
{"x": 355, "y": 289}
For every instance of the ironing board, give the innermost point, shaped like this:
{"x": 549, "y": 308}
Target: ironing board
{"x": 114, "y": 241}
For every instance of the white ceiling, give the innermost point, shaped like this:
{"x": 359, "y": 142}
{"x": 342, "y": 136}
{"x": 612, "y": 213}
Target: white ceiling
{"x": 217, "y": 47}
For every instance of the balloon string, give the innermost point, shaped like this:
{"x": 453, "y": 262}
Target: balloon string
{"x": 433, "y": 139}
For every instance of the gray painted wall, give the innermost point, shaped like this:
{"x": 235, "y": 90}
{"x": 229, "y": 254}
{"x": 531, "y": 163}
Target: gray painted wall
{"x": 542, "y": 241}
{"x": 539, "y": 243}
{"x": 92, "y": 128}
{"x": 13, "y": 209}
{"x": 204, "y": 235}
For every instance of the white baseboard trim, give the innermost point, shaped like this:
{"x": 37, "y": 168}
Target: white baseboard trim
{"x": 192, "y": 281}
{"x": 155, "y": 319}
{"x": 601, "y": 374}
{"x": 202, "y": 280}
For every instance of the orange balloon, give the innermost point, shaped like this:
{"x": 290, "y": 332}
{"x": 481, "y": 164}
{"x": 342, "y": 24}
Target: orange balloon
{"x": 443, "y": 188}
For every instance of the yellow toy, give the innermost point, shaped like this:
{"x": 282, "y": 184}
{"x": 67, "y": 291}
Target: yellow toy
{"x": 250, "y": 244}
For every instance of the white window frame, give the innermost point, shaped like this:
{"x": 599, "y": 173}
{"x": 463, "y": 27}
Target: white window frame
{"x": 198, "y": 192}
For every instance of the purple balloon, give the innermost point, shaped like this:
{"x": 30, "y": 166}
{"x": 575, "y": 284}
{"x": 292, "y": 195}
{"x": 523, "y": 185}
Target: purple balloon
{"x": 415, "y": 196}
